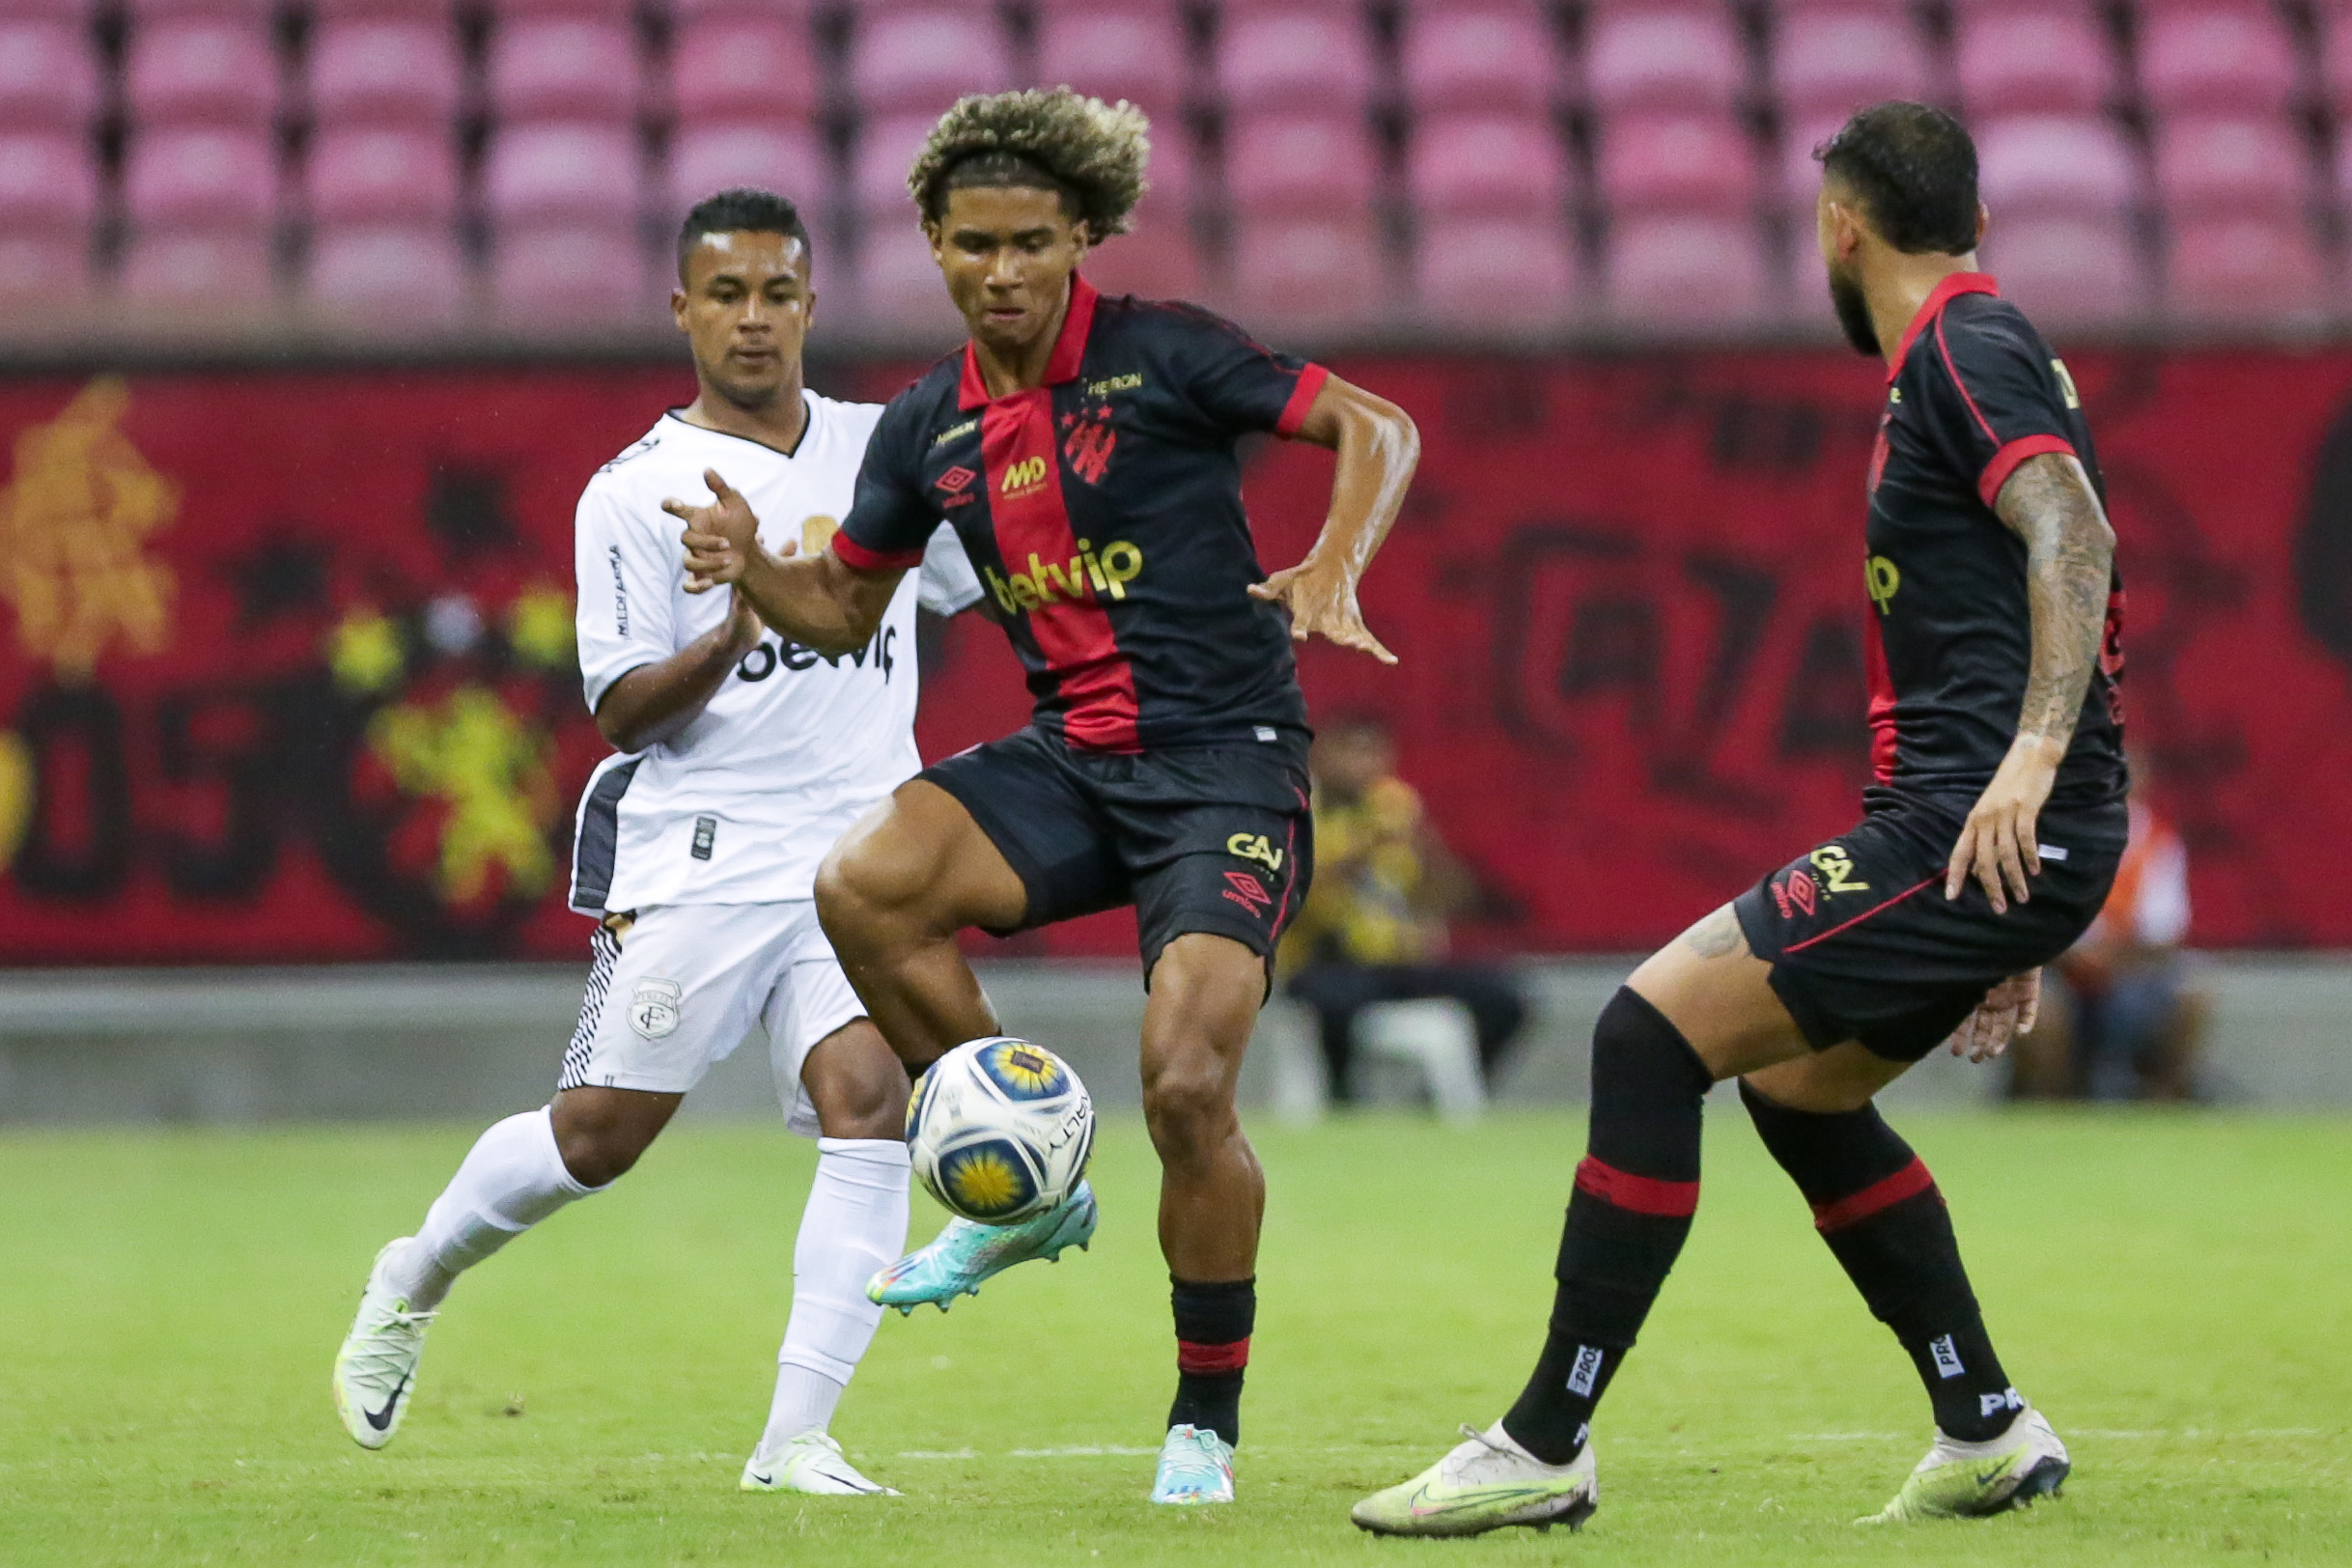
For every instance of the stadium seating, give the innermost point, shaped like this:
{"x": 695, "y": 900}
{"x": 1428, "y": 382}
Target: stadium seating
{"x": 2048, "y": 59}
{"x": 2209, "y": 164}
{"x": 2238, "y": 271}
{"x": 1132, "y": 51}
{"x": 878, "y": 169}
{"x": 390, "y": 273}
{"x": 2070, "y": 271}
{"x": 48, "y": 76}
{"x": 785, "y": 158}
{"x": 1488, "y": 165}
{"x": 1667, "y": 56}
{"x": 2079, "y": 164}
{"x": 1294, "y": 58}
{"x": 1482, "y": 55}
{"x": 1835, "y": 58}
{"x": 897, "y": 286}
{"x": 557, "y": 171}
{"x": 384, "y": 70}
{"x": 753, "y": 68}
{"x": 44, "y": 268}
{"x": 208, "y": 69}
{"x": 382, "y": 175}
{"x": 548, "y": 276}
{"x": 567, "y": 67}
{"x": 1686, "y": 273}
{"x": 920, "y": 59}
{"x": 48, "y": 185}
{"x": 1325, "y": 274}
{"x": 1495, "y": 275}
{"x": 1285, "y": 161}
{"x": 190, "y": 267}
{"x": 182, "y": 176}
{"x": 2218, "y": 57}
{"x": 1657, "y": 160}
{"x": 1159, "y": 259}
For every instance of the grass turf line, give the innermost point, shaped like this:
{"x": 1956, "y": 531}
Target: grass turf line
{"x": 2171, "y": 1289}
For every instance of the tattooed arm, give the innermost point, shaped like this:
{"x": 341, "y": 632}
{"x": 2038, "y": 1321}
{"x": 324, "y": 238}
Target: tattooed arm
{"x": 2050, "y": 504}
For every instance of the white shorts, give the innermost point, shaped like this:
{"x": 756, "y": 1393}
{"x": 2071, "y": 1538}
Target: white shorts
{"x": 679, "y": 987}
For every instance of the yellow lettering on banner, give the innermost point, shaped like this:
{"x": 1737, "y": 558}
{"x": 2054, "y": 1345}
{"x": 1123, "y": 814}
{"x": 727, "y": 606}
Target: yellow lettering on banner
{"x": 73, "y": 519}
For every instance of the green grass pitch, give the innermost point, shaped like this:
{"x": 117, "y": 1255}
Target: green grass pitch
{"x": 2175, "y": 1291}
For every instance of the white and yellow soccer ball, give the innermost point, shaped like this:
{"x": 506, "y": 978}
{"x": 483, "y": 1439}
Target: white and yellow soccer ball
{"x": 1000, "y": 1130}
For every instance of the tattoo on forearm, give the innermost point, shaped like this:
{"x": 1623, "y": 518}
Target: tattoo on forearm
{"x": 2070, "y": 551}
{"x": 1718, "y": 935}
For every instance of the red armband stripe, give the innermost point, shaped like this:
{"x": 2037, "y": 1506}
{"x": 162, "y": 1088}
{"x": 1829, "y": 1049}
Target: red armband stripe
{"x": 1642, "y": 1194}
{"x": 1301, "y": 399}
{"x": 858, "y": 558}
{"x": 2005, "y": 460}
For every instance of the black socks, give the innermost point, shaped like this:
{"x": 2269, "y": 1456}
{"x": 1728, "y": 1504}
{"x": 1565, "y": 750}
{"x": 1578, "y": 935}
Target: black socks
{"x": 1634, "y": 1195}
{"x": 1879, "y": 1210}
{"x": 1213, "y": 1327}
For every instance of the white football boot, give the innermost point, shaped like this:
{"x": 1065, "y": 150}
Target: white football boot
{"x": 376, "y": 1370}
{"x": 1488, "y": 1481}
{"x": 1194, "y": 1467}
{"x": 1970, "y": 1481}
{"x": 810, "y": 1463}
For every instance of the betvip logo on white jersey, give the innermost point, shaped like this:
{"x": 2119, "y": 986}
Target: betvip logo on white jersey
{"x": 740, "y": 805}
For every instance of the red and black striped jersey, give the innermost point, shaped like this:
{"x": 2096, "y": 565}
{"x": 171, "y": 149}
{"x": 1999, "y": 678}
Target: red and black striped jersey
{"x": 1974, "y": 391}
{"x": 1103, "y": 514}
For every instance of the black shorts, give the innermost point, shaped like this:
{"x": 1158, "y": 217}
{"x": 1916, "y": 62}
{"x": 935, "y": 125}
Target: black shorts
{"x": 1863, "y": 946}
{"x": 1212, "y": 839}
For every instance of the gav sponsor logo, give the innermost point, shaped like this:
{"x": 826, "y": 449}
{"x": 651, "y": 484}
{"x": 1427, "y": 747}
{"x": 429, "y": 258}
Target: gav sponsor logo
{"x": 1090, "y": 574}
{"x": 1255, "y": 847}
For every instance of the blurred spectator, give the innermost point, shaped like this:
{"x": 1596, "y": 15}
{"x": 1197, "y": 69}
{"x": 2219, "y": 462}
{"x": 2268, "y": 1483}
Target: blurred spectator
{"x": 1373, "y": 927}
{"x": 2126, "y": 1017}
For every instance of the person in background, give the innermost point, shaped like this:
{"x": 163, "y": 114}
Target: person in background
{"x": 1373, "y": 927}
{"x": 2137, "y": 1014}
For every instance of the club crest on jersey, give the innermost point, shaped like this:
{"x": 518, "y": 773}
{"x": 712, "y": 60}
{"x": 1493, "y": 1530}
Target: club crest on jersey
{"x": 1088, "y": 446}
{"x": 653, "y": 1008}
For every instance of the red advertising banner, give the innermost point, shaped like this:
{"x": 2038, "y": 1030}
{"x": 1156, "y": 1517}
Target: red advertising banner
{"x": 286, "y": 669}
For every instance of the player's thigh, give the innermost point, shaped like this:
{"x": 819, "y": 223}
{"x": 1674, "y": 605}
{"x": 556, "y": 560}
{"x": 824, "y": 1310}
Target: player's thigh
{"x": 1204, "y": 993}
{"x": 1845, "y": 1078}
{"x": 834, "y": 1073}
{"x": 672, "y": 989}
{"x": 1719, "y": 996}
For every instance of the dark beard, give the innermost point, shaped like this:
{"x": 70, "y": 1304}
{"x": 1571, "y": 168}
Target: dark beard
{"x": 1853, "y": 313}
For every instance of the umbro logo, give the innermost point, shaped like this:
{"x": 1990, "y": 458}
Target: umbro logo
{"x": 955, "y": 482}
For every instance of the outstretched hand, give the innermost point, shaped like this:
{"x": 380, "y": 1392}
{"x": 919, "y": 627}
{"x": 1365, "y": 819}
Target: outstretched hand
{"x": 2007, "y": 1011}
{"x": 719, "y": 538}
{"x": 1322, "y": 601}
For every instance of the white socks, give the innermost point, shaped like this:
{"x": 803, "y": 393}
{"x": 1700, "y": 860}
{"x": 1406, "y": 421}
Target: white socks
{"x": 512, "y": 1179}
{"x": 855, "y": 1225}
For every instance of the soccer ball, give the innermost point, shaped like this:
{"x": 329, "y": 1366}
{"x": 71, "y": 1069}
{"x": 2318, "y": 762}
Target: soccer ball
{"x": 1000, "y": 1130}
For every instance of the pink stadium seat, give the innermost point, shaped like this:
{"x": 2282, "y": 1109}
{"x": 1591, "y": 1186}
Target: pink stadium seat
{"x": 2209, "y": 164}
{"x": 1499, "y": 274}
{"x": 48, "y": 184}
{"x": 200, "y": 267}
{"x": 201, "y": 69}
{"x": 71, "y": 12}
{"x": 50, "y": 266}
{"x": 617, "y": 12}
{"x": 2215, "y": 56}
{"x": 1684, "y": 56}
{"x": 1656, "y": 160}
{"x": 49, "y": 75}
{"x": 744, "y": 68}
{"x": 1687, "y": 272}
{"x": 378, "y": 175}
{"x": 1799, "y": 169}
{"x": 1157, "y": 260}
{"x": 187, "y": 177}
{"x": 384, "y": 69}
{"x": 1315, "y": 273}
{"x": 570, "y": 68}
{"x": 408, "y": 273}
{"x": 2076, "y": 164}
{"x": 2245, "y": 270}
{"x": 244, "y": 11}
{"x": 899, "y": 294}
{"x": 1299, "y": 163}
{"x": 878, "y": 169}
{"x": 923, "y": 59}
{"x": 1841, "y": 57}
{"x": 1172, "y": 179}
{"x": 1129, "y": 51}
{"x": 1306, "y": 57}
{"x": 2078, "y": 270}
{"x": 2336, "y": 58}
{"x": 1479, "y": 55}
{"x": 548, "y": 274}
{"x": 2044, "y": 58}
{"x": 792, "y": 11}
{"x": 1509, "y": 165}
{"x": 554, "y": 171}
{"x": 786, "y": 159}
{"x": 341, "y": 12}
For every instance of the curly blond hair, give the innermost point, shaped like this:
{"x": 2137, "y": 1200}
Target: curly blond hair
{"x": 1092, "y": 152}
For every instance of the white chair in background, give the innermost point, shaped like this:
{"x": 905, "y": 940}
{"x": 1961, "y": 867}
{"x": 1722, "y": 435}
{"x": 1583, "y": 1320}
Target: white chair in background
{"x": 1439, "y": 1037}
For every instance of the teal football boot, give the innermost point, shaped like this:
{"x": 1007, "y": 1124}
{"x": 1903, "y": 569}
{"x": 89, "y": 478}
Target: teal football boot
{"x": 966, "y": 1253}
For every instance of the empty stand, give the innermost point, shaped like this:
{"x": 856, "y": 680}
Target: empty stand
{"x": 1319, "y": 274}
{"x": 1294, "y": 58}
{"x": 561, "y": 172}
{"x": 2227, "y": 58}
{"x": 378, "y": 70}
{"x": 200, "y": 267}
{"x": 786, "y": 159}
{"x": 567, "y": 67}
{"x": 1301, "y": 164}
{"x": 744, "y": 68}
{"x": 1660, "y": 161}
{"x": 2034, "y": 59}
{"x": 210, "y": 70}
{"x": 545, "y": 276}
{"x": 48, "y": 184}
{"x": 2241, "y": 270}
{"x": 2072, "y": 164}
{"x": 1158, "y": 260}
{"x": 48, "y": 74}
{"x": 1495, "y": 275}
{"x": 1687, "y": 272}
{"x": 210, "y": 176}
{"x": 1136, "y": 52}
{"x": 395, "y": 273}
{"x": 382, "y": 175}
{"x": 1493, "y": 164}
{"x": 1838, "y": 57}
{"x": 2069, "y": 270}
{"x": 2214, "y": 164}
{"x": 920, "y": 59}
{"x": 1666, "y": 56}
{"x": 1484, "y": 56}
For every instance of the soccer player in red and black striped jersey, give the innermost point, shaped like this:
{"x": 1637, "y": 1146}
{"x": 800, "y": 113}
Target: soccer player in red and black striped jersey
{"x": 1084, "y": 448}
{"x": 1987, "y": 846}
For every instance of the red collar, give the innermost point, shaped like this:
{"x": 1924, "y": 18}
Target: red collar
{"x": 1062, "y": 365}
{"x": 1951, "y": 288}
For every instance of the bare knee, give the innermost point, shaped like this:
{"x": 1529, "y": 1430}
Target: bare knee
{"x": 857, "y": 1085}
{"x": 1188, "y": 1104}
{"x": 601, "y": 1132}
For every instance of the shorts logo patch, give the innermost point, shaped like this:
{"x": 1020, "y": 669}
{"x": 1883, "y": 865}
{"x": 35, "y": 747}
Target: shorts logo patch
{"x": 1255, "y": 847}
{"x": 1248, "y": 891}
{"x": 1795, "y": 888}
{"x": 653, "y": 1008}
{"x": 1837, "y": 869}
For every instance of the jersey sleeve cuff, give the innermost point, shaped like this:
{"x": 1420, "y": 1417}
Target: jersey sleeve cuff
{"x": 858, "y": 558}
{"x": 1301, "y": 399}
{"x": 2005, "y": 460}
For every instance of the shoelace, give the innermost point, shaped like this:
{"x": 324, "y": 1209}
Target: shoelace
{"x": 384, "y": 1346}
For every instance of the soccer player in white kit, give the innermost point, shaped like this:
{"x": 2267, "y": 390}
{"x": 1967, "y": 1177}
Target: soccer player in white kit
{"x": 743, "y": 758}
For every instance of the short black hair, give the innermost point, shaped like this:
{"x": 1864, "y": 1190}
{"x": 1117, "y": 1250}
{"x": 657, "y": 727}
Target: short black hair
{"x": 743, "y": 210}
{"x": 1914, "y": 168}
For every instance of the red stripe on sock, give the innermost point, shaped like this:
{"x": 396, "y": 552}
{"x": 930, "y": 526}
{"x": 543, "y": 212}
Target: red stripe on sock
{"x": 1191, "y": 1357}
{"x": 1909, "y": 1181}
{"x": 1642, "y": 1194}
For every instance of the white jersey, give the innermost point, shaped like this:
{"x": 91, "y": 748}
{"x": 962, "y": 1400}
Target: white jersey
{"x": 740, "y": 805}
